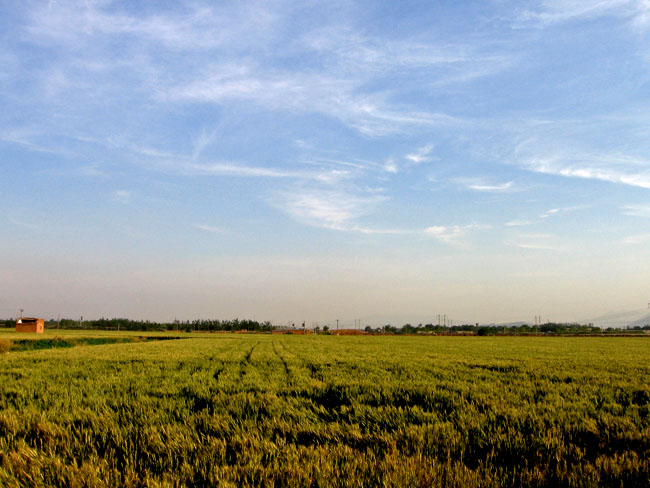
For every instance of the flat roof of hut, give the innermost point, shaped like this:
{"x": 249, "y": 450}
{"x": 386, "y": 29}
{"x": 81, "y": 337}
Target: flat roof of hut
{"x": 30, "y": 324}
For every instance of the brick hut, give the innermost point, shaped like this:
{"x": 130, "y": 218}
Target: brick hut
{"x": 26, "y": 324}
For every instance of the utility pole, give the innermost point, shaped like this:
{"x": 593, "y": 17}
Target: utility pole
{"x": 21, "y": 312}
{"x": 337, "y": 325}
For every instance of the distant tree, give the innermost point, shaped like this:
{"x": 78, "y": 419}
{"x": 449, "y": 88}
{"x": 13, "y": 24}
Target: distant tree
{"x": 407, "y": 329}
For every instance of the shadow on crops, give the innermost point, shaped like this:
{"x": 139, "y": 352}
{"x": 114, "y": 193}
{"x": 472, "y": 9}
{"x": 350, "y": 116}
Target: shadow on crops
{"x": 57, "y": 342}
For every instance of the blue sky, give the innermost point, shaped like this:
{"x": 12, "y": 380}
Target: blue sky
{"x": 296, "y": 161}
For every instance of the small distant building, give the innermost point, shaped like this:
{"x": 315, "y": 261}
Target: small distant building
{"x": 27, "y": 324}
{"x": 348, "y": 332}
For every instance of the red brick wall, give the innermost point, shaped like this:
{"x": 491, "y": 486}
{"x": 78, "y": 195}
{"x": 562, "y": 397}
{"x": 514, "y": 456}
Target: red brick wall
{"x": 37, "y": 326}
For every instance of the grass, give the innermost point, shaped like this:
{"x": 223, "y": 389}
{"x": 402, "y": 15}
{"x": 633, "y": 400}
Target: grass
{"x": 262, "y": 410}
{"x": 54, "y": 339}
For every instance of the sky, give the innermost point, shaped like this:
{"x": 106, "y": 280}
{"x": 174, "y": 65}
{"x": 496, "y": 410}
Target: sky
{"x": 311, "y": 161}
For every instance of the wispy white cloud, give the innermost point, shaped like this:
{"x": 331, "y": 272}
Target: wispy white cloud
{"x": 352, "y": 164}
{"x": 612, "y": 171}
{"x": 210, "y": 228}
{"x": 30, "y": 138}
{"x": 552, "y": 12}
{"x": 391, "y": 167}
{"x": 637, "y": 239}
{"x": 196, "y": 26}
{"x": 518, "y": 223}
{"x": 480, "y": 185}
{"x": 535, "y": 242}
{"x": 27, "y": 225}
{"x": 370, "y": 113}
{"x": 550, "y": 212}
{"x": 334, "y": 176}
{"x": 347, "y": 50}
{"x": 555, "y": 211}
{"x": 339, "y": 211}
{"x": 444, "y": 233}
{"x": 238, "y": 170}
{"x": 93, "y": 170}
{"x": 380, "y": 231}
{"x": 535, "y": 235}
{"x": 452, "y": 234}
{"x": 636, "y": 210}
{"x": 323, "y": 175}
{"x": 533, "y": 246}
{"x": 422, "y": 155}
{"x": 338, "y": 88}
{"x": 122, "y": 196}
{"x": 329, "y": 209}
{"x": 203, "y": 140}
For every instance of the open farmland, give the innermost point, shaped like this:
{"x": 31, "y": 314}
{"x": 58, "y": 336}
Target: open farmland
{"x": 280, "y": 410}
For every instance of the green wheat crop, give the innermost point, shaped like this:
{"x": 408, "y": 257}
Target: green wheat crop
{"x": 277, "y": 410}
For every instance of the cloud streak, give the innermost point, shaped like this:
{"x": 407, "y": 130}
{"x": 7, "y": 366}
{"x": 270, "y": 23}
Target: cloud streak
{"x": 560, "y": 210}
{"x": 636, "y": 210}
{"x": 239, "y": 170}
{"x": 370, "y": 113}
{"x": 329, "y": 209}
{"x": 210, "y": 228}
{"x": 553, "y": 12}
{"x": 122, "y": 196}
{"x": 452, "y": 234}
{"x": 637, "y": 239}
{"x": 535, "y": 242}
{"x": 482, "y": 186}
{"x": 624, "y": 171}
{"x": 518, "y": 223}
{"x": 422, "y": 155}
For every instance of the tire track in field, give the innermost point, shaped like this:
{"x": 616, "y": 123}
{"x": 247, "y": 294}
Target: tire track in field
{"x": 246, "y": 361}
{"x": 218, "y": 371}
{"x": 282, "y": 359}
{"x": 315, "y": 369}
{"x": 220, "y": 368}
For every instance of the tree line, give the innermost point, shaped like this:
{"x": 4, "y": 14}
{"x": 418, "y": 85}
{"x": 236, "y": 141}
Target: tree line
{"x": 201, "y": 325}
{"x": 520, "y": 329}
{"x": 233, "y": 325}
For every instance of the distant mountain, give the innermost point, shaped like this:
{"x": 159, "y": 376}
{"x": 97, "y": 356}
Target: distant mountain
{"x": 645, "y": 320}
{"x": 621, "y": 319}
